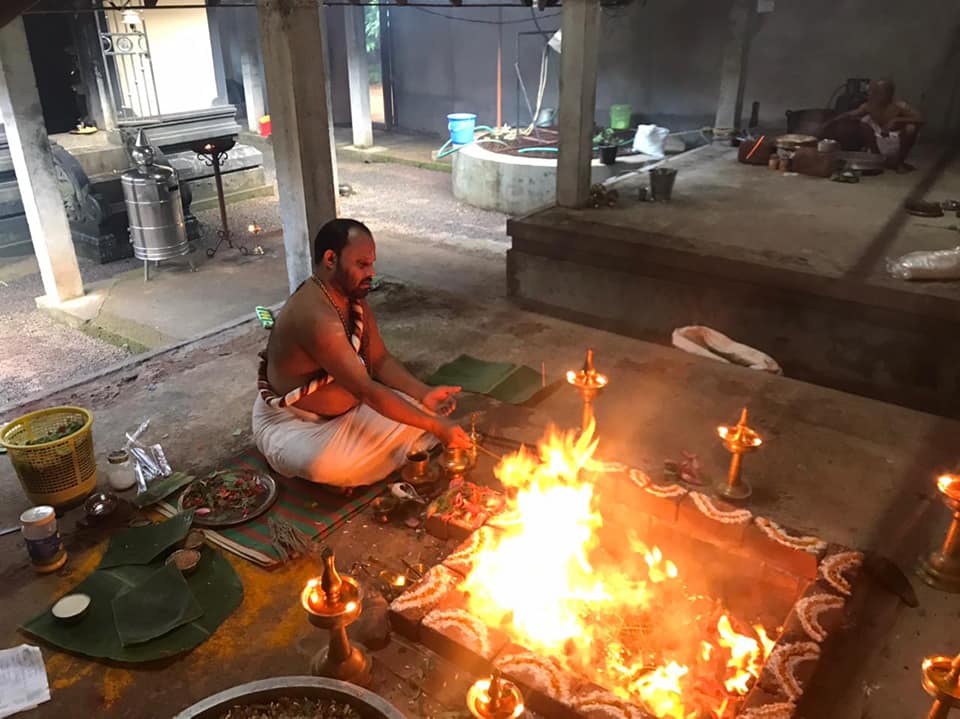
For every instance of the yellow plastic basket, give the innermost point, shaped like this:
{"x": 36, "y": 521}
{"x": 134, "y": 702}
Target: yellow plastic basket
{"x": 61, "y": 472}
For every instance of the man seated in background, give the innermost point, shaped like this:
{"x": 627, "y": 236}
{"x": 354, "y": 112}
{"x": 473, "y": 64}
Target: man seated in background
{"x": 334, "y": 406}
{"x": 890, "y": 126}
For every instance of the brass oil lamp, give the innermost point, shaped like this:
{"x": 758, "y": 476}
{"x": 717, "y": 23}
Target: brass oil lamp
{"x": 738, "y": 440}
{"x": 941, "y": 676}
{"x": 588, "y": 382}
{"x": 495, "y": 698}
{"x": 333, "y": 602}
{"x": 941, "y": 568}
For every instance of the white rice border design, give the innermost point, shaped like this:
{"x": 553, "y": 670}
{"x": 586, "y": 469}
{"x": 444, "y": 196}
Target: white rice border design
{"x": 784, "y": 659}
{"x": 608, "y": 704}
{"x": 833, "y": 567}
{"x": 459, "y": 620}
{"x": 438, "y": 578}
{"x": 724, "y": 516}
{"x": 811, "y": 545}
{"x": 666, "y": 491}
{"x": 541, "y": 668}
{"x": 464, "y": 555}
{"x": 809, "y": 610}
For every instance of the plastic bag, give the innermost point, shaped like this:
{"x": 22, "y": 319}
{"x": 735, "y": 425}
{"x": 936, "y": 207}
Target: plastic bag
{"x": 649, "y": 140}
{"x": 926, "y": 265}
{"x": 707, "y": 342}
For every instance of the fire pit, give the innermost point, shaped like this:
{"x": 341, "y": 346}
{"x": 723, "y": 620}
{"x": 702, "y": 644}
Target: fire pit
{"x": 605, "y": 595}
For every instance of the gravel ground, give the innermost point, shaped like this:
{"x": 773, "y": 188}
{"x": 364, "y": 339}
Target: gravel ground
{"x": 37, "y": 353}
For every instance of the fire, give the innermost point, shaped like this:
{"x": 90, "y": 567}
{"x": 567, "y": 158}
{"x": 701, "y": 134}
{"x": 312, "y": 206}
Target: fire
{"x": 949, "y": 484}
{"x": 629, "y": 626}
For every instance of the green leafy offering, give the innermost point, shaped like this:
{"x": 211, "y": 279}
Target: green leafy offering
{"x": 225, "y": 496}
{"x": 63, "y": 430}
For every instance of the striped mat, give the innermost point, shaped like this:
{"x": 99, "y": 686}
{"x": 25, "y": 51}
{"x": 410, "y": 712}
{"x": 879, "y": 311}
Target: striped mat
{"x": 312, "y": 508}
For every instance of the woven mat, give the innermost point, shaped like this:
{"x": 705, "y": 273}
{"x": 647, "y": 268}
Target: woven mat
{"x": 312, "y": 508}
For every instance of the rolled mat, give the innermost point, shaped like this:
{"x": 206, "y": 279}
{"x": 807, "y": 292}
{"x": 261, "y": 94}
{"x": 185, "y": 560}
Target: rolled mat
{"x": 313, "y": 509}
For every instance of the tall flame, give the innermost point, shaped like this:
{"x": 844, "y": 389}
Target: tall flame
{"x": 627, "y": 626}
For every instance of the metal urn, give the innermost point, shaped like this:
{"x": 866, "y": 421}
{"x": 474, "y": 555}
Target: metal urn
{"x": 152, "y": 196}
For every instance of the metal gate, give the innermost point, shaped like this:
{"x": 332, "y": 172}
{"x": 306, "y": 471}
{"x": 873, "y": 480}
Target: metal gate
{"x": 126, "y": 55}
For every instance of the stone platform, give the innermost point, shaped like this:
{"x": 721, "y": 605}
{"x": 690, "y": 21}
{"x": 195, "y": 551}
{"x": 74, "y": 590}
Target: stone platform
{"x": 792, "y": 265}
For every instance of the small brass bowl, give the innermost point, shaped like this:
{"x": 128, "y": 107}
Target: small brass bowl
{"x": 194, "y": 539}
{"x": 186, "y": 560}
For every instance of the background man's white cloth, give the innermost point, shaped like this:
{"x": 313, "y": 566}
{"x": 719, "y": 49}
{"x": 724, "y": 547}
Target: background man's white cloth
{"x": 357, "y": 448}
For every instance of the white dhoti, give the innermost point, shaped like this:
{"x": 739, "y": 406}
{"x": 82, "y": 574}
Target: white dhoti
{"x": 888, "y": 143}
{"x": 357, "y": 448}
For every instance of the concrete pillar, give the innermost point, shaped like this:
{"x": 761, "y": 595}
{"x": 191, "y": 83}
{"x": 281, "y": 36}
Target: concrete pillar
{"x": 359, "y": 73}
{"x": 578, "y": 96}
{"x": 293, "y": 43}
{"x": 33, "y": 164}
{"x": 92, "y": 72}
{"x": 253, "y": 88}
{"x": 216, "y": 47}
{"x": 733, "y": 71}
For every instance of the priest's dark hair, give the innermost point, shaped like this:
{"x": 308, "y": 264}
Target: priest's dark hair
{"x": 334, "y": 236}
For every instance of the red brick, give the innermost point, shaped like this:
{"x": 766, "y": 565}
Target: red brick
{"x": 762, "y": 548}
{"x": 790, "y": 584}
{"x": 406, "y": 619}
{"x": 547, "y": 690}
{"x": 464, "y": 640}
{"x": 448, "y": 528}
{"x": 692, "y": 520}
{"x": 462, "y": 558}
{"x": 594, "y": 702}
{"x": 645, "y": 502}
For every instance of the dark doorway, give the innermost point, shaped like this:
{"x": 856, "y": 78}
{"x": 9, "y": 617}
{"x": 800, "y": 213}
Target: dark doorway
{"x": 54, "y": 55}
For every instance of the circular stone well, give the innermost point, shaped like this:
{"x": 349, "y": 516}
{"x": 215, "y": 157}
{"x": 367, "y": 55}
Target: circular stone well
{"x": 518, "y": 185}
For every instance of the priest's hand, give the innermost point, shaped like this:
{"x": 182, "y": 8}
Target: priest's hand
{"x": 453, "y": 436}
{"x": 441, "y": 400}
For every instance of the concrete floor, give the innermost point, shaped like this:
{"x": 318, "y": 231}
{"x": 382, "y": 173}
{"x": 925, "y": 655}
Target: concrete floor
{"x": 849, "y": 469}
{"x": 743, "y": 212}
{"x": 410, "y": 210}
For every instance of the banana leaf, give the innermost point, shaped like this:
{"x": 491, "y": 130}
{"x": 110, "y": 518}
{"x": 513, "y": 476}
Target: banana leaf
{"x": 214, "y": 584}
{"x": 141, "y": 545}
{"x": 159, "y": 604}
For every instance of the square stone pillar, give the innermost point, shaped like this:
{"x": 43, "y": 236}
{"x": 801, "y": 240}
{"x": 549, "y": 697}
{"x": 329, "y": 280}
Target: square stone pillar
{"x": 580, "y": 26}
{"x": 733, "y": 71}
{"x": 253, "y": 89}
{"x": 293, "y": 43}
{"x": 359, "y": 74}
{"x": 33, "y": 163}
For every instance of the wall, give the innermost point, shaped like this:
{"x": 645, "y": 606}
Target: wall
{"x": 239, "y": 26}
{"x": 442, "y": 66}
{"x": 663, "y": 57}
{"x": 182, "y": 58}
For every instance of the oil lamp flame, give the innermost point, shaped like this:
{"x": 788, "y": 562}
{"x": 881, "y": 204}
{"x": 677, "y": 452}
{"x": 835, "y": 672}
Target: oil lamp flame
{"x": 949, "y": 484}
{"x": 312, "y": 597}
{"x": 495, "y": 698}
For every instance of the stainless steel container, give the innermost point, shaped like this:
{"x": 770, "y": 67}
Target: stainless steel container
{"x": 152, "y": 196}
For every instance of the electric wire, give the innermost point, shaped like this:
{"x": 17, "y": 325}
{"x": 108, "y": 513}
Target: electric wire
{"x": 474, "y": 20}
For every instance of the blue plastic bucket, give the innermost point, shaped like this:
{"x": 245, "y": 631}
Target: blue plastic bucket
{"x": 461, "y": 125}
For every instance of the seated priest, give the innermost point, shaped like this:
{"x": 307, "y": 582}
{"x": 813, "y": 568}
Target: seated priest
{"x": 334, "y": 406}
